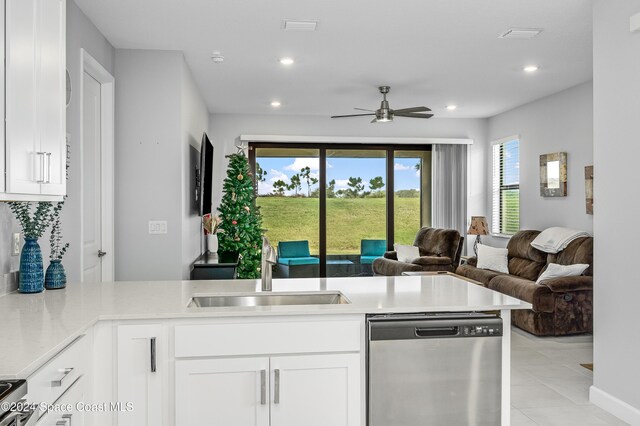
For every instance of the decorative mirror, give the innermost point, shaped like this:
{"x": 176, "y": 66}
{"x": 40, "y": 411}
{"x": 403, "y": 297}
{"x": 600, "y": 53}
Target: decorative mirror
{"x": 68, "y": 88}
{"x": 553, "y": 174}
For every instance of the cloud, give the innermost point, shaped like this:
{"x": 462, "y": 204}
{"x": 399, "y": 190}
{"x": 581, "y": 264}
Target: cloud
{"x": 266, "y": 187}
{"x": 300, "y": 163}
{"x": 401, "y": 167}
{"x": 277, "y": 175}
{"x": 342, "y": 183}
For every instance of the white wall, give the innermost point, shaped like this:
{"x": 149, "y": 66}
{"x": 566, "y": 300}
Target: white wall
{"x": 560, "y": 122}
{"x": 225, "y": 128}
{"x": 158, "y": 115}
{"x": 616, "y": 81}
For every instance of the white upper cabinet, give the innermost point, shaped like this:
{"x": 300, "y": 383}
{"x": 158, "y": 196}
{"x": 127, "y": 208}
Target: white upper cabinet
{"x": 35, "y": 134}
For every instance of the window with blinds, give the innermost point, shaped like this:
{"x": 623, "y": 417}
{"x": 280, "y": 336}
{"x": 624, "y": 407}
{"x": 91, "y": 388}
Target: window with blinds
{"x": 506, "y": 187}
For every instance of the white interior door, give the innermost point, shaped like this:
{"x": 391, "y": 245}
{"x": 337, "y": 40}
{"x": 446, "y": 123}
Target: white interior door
{"x": 91, "y": 180}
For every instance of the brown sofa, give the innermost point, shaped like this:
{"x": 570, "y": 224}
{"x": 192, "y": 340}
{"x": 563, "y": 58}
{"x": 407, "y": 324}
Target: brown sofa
{"x": 560, "y": 306}
{"x": 440, "y": 250}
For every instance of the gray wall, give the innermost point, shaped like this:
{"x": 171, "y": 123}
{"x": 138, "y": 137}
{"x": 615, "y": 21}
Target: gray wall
{"x": 81, "y": 33}
{"x": 225, "y": 129}
{"x": 154, "y": 95}
{"x": 616, "y": 84}
{"x": 560, "y": 122}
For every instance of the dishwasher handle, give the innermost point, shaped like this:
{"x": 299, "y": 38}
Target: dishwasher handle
{"x": 437, "y": 331}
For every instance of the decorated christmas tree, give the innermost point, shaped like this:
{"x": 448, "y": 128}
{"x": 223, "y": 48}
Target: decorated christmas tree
{"x": 241, "y": 219}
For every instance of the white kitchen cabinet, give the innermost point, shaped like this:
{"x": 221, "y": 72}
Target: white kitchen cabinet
{"x": 225, "y": 392}
{"x": 310, "y": 390}
{"x": 35, "y": 92}
{"x": 142, "y": 370}
{"x": 69, "y": 410}
{"x": 316, "y": 390}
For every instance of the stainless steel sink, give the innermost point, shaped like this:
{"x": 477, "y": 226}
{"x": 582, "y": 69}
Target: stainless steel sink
{"x": 268, "y": 299}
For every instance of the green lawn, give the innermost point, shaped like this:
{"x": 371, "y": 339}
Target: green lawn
{"x": 349, "y": 220}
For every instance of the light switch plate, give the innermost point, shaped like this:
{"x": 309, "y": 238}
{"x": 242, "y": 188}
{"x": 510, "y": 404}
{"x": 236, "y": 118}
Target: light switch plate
{"x": 15, "y": 244}
{"x": 157, "y": 227}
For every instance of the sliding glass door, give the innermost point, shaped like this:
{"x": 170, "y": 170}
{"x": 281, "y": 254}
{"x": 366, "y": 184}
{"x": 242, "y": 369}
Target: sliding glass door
{"x": 332, "y": 209}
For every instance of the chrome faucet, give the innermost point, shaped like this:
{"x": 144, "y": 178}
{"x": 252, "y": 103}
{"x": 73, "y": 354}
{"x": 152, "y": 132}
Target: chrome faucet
{"x": 268, "y": 260}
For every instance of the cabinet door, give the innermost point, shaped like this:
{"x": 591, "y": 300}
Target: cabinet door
{"x": 24, "y": 161}
{"x": 142, "y": 368}
{"x": 2, "y": 97}
{"x": 51, "y": 93}
{"x": 316, "y": 390}
{"x": 222, "y": 392}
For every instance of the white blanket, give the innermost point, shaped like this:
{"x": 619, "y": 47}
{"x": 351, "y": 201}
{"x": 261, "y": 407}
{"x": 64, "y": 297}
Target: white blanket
{"x": 556, "y": 239}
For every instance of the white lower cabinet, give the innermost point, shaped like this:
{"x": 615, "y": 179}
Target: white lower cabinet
{"x": 69, "y": 410}
{"x": 310, "y": 390}
{"x": 228, "y": 391}
{"x": 141, "y": 373}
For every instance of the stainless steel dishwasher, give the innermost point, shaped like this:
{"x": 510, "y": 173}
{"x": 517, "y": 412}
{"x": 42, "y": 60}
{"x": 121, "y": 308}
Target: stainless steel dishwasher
{"x": 434, "y": 369}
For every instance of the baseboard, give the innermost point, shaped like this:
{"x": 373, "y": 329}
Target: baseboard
{"x": 615, "y": 406}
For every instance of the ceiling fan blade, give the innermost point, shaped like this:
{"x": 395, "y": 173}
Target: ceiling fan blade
{"x": 350, "y": 115}
{"x": 375, "y": 120}
{"x": 362, "y": 109}
{"x": 414, "y": 109}
{"x": 412, "y": 115}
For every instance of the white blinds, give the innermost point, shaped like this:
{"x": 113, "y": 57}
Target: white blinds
{"x": 505, "y": 218}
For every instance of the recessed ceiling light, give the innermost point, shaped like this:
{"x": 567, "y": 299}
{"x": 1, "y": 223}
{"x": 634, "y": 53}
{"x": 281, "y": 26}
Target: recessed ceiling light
{"x": 287, "y": 61}
{"x": 530, "y": 68}
{"x": 217, "y": 57}
{"x": 451, "y": 107}
{"x": 275, "y": 104}
{"x": 521, "y": 33}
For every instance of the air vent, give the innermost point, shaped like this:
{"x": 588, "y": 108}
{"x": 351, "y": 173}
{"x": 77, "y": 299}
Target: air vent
{"x": 521, "y": 33}
{"x": 298, "y": 25}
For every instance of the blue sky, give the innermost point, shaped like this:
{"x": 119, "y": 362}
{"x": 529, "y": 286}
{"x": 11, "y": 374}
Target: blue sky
{"x": 340, "y": 169}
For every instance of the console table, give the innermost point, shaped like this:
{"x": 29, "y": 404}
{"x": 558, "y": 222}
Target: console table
{"x": 214, "y": 266}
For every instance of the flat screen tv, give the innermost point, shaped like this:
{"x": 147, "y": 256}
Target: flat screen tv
{"x": 205, "y": 176}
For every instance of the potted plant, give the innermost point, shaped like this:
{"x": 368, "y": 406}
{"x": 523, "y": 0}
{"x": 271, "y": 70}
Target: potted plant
{"x": 211, "y": 226}
{"x": 56, "y": 277}
{"x": 33, "y": 226}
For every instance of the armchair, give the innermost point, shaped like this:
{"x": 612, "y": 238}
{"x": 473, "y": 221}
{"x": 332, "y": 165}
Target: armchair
{"x": 440, "y": 250}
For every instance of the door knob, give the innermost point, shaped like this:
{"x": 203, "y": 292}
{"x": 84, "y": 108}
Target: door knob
{"x": 101, "y": 253}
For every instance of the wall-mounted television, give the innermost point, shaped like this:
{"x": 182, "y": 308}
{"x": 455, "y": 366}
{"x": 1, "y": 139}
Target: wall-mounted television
{"x": 204, "y": 176}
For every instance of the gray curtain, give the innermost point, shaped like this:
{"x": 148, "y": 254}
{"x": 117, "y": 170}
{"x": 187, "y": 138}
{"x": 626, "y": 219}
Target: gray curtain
{"x": 449, "y": 187}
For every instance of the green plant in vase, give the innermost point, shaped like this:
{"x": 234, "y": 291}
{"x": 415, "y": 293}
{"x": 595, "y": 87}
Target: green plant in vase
{"x": 56, "y": 277}
{"x": 34, "y": 223}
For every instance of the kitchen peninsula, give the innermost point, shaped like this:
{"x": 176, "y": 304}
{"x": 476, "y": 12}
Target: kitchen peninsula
{"x": 147, "y": 344}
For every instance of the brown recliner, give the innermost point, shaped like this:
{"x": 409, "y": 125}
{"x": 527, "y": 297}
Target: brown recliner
{"x": 561, "y": 305}
{"x": 440, "y": 250}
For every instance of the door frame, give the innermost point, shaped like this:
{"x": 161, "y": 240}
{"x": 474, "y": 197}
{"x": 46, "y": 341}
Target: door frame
{"x": 92, "y": 67}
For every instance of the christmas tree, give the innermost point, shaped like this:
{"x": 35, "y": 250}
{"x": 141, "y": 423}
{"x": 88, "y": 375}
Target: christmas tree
{"x": 241, "y": 219}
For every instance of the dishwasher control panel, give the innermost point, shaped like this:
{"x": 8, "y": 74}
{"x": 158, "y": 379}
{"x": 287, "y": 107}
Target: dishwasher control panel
{"x": 481, "y": 330}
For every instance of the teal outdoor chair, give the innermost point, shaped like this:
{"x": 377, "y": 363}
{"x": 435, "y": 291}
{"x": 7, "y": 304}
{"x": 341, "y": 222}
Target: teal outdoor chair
{"x": 295, "y": 260}
{"x": 371, "y": 250}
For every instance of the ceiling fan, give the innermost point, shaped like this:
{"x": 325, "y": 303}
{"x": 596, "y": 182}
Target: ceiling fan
{"x": 385, "y": 114}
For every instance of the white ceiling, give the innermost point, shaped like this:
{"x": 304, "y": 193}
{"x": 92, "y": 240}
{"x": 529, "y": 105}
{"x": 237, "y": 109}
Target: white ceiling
{"x": 431, "y": 52}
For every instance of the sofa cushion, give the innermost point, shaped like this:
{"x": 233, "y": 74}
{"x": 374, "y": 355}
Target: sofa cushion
{"x": 432, "y": 260}
{"x": 438, "y": 242}
{"x": 388, "y": 267}
{"x": 292, "y": 261}
{"x": 525, "y": 261}
{"x": 288, "y": 249}
{"x": 579, "y": 250}
{"x": 481, "y": 275}
{"x": 539, "y": 296}
{"x": 373, "y": 247}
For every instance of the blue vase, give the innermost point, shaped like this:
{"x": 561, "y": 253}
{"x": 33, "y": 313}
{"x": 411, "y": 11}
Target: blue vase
{"x": 55, "y": 278}
{"x": 31, "y": 269}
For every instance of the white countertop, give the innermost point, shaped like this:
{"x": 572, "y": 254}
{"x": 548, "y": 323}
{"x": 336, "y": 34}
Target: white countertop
{"x": 35, "y": 327}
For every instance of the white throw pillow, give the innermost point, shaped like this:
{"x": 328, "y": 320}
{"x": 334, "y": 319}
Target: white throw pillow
{"x": 493, "y": 258}
{"x": 406, "y": 253}
{"x": 556, "y": 271}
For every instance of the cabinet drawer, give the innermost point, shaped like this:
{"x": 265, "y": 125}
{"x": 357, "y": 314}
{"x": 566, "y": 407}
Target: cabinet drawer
{"x": 54, "y": 378}
{"x": 73, "y": 413}
{"x": 250, "y": 338}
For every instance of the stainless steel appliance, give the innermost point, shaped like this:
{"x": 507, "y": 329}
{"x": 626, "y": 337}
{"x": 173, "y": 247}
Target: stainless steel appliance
{"x": 14, "y": 410}
{"x": 434, "y": 369}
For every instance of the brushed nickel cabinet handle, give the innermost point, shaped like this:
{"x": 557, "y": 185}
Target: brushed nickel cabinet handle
{"x": 47, "y": 155}
{"x": 263, "y": 387}
{"x": 41, "y": 158}
{"x": 153, "y": 355}
{"x": 56, "y": 383}
{"x": 276, "y": 386}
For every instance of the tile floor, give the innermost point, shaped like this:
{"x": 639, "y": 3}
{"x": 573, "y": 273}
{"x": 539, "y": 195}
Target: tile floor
{"x": 549, "y": 387}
